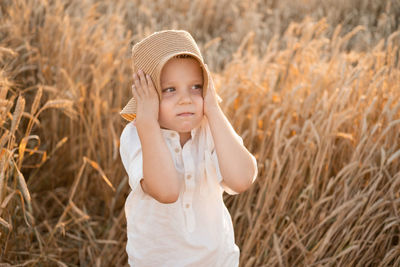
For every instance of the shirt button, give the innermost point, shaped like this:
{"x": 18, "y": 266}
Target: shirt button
{"x": 188, "y": 176}
{"x": 187, "y": 206}
{"x": 172, "y": 135}
{"x": 177, "y": 150}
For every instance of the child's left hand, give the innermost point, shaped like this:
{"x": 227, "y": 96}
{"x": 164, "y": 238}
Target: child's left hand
{"x": 211, "y": 97}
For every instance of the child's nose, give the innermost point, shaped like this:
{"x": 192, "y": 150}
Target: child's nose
{"x": 185, "y": 98}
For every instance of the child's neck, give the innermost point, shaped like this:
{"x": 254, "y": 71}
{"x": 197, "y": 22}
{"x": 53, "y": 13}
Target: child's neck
{"x": 184, "y": 137}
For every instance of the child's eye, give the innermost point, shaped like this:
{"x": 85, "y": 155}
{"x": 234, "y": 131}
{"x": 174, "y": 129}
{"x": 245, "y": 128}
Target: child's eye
{"x": 168, "y": 90}
{"x": 197, "y": 86}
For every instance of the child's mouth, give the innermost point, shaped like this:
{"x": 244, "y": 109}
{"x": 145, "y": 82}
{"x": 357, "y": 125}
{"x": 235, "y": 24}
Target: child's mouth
{"x": 185, "y": 114}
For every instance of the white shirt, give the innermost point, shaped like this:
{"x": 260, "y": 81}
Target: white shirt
{"x": 196, "y": 230}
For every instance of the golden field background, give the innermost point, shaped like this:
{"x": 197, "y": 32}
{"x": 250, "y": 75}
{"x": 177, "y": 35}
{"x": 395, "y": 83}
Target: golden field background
{"x": 312, "y": 86}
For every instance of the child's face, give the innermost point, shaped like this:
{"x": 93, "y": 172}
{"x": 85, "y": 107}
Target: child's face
{"x": 181, "y": 105}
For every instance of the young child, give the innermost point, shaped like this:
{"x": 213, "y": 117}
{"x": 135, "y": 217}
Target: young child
{"x": 180, "y": 153}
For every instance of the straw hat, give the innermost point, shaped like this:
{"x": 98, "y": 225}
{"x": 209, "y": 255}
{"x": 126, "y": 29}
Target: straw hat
{"x": 151, "y": 54}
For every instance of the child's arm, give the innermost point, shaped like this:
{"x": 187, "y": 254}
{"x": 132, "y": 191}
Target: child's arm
{"x": 238, "y": 167}
{"x": 160, "y": 178}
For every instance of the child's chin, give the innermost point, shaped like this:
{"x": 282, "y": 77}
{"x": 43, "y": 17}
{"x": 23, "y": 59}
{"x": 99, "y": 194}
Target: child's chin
{"x": 187, "y": 127}
{"x": 182, "y": 126}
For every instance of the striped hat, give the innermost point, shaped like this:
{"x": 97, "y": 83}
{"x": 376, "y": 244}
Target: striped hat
{"x": 151, "y": 54}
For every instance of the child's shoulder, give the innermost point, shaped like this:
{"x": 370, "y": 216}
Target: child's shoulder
{"x": 129, "y": 134}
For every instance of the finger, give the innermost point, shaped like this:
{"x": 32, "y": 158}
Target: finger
{"x": 143, "y": 82}
{"x": 134, "y": 92}
{"x": 210, "y": 81}
{"x": 138, "y": 86}
{"x": 150, "y": 84}
{"x": 207, "y": 69}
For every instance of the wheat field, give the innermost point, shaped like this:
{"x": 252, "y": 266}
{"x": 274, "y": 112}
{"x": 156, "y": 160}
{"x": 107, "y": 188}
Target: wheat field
{"x": 313, "y": 87}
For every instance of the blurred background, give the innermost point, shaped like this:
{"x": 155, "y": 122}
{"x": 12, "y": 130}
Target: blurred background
{"x": 313, "y": 87}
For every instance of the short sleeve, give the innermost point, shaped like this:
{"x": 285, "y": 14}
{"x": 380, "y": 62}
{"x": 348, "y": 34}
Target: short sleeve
{"x": 131, "y": 155}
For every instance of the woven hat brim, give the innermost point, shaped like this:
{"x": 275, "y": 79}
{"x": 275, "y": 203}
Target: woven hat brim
{"x": 129, "y": 111}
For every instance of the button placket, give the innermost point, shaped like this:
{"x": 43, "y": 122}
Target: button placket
{"x": 175, "y": 149}
{"x": 189, "y": 170}
{"x": 190, "y": 184}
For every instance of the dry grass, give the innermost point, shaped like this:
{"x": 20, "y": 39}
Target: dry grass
{"x": 312, "y": 87}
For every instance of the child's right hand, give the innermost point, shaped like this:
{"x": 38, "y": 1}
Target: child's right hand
{"x": 147, "y": 103}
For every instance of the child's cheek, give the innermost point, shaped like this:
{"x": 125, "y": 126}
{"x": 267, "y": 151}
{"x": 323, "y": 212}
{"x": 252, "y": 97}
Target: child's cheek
{"x": 166, "y": 95}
